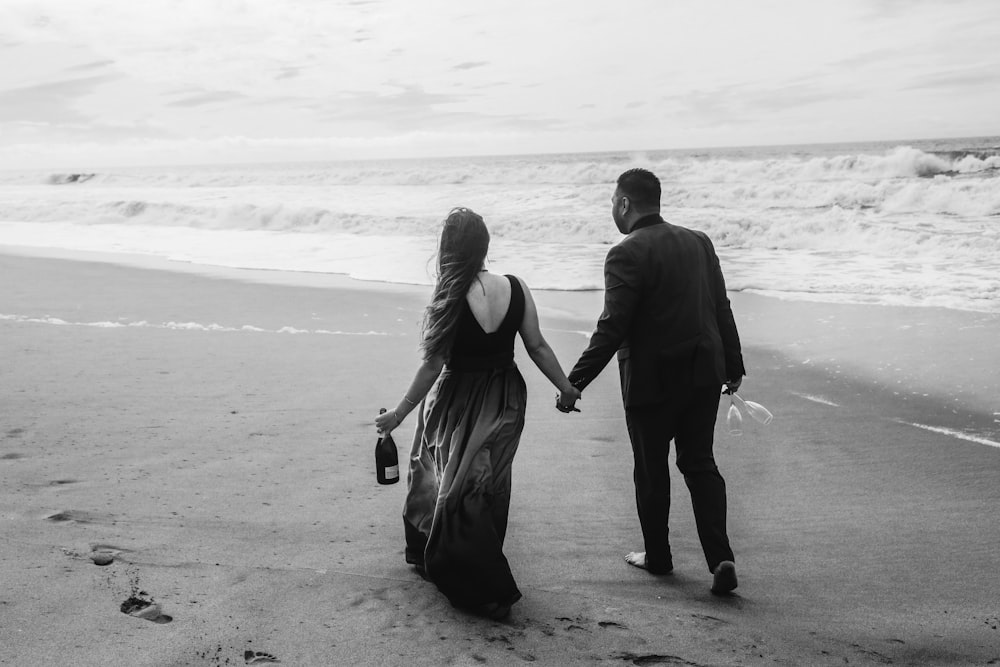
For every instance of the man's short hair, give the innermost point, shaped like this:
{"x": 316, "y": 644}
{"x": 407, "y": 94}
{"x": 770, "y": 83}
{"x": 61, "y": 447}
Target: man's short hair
{"x": 642, "y": 187}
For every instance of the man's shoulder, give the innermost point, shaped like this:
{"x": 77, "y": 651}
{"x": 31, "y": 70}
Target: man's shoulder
{"x": 666, "y": 230}
{"x": 674, "y": 228}
{"x": 679, "y": 231}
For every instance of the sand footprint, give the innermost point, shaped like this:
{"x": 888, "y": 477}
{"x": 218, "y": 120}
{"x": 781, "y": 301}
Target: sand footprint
{"x": 102, "y": 558}
{"x": 577, "y": 623}
{"x": 143, "y": 608}
{"x": 258, "y": 657}
{"x": 100, "y": 554}
{"x": 104, "y": 554}
{"x": 77, "y": 516}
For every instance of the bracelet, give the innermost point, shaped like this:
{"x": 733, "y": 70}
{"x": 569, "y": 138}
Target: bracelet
{"x": 398, "y": 420}
{"x": 407, "y": 399}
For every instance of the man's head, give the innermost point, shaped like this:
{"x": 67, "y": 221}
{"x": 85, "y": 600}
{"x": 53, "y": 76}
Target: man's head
{"x": 637, "y": 195}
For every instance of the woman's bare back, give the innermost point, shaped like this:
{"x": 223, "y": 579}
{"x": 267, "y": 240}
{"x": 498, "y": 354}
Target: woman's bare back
{"x": 489, "y": 299}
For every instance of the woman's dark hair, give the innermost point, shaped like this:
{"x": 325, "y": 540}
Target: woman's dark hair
{"x": 461, "y": 253}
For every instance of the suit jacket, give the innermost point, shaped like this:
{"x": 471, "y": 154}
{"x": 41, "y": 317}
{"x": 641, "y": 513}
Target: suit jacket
{"x": 666, "y": 314}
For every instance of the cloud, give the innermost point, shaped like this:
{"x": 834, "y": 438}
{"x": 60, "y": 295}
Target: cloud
{"x": 65, "y": 135}
{"x": 739, "y": 104}
{"x": 892, "y": 9}
{"x": 49, "y": 102}
{"x": 786, "y": 97}
{"x": 210, "y": 97}
{"x": 411, "y": 108}
{"x": 977, "y": 77}
{"x": 873, "y": 57}
{"x": 97, "y": 64}
{"x": 409, "y": 104}
{"x": 211, "y": 68}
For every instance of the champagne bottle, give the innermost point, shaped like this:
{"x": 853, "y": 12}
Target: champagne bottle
{"x": 386, "y": 459}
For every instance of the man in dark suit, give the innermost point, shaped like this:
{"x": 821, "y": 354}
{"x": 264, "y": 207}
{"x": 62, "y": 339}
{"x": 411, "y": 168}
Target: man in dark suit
{"x": 667, "y": 316}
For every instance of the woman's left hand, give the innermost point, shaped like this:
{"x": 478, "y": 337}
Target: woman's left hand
{"x": 387, "y": 421}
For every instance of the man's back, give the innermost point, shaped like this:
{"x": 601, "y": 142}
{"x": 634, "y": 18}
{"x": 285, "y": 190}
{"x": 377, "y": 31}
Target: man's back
{"x": 666, "y": 308}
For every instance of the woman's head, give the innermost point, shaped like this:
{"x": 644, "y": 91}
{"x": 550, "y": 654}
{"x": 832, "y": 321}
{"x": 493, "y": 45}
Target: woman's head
{"x": 464, "y": 242}
{"x": 461, "y": 253}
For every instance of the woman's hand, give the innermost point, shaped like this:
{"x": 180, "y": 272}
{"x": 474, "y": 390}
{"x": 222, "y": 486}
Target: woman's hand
{"x": 387, "y": 421}
{"x": 566, "y": 400}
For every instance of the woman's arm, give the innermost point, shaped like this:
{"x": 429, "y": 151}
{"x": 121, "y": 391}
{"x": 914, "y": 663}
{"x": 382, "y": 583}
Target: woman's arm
{"x": 422, "y": 383}
{"x": 540, "y": 352}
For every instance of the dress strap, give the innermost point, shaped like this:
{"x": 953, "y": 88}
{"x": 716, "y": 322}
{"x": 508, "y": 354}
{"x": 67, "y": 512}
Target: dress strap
{"x": 515, "y": 311}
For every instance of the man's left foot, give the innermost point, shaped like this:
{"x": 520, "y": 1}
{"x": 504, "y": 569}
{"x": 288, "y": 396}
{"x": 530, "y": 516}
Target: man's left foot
{"x": 638, "y": 559}
{"x": 724, "y": 578}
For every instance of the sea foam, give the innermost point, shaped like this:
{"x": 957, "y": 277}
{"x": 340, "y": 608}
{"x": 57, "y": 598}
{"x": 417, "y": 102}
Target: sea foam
{"x": 913, "y": 224}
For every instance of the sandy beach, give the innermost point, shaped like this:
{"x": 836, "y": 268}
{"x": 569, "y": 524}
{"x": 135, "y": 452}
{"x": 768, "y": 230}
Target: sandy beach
{"x": 211, "y": 431}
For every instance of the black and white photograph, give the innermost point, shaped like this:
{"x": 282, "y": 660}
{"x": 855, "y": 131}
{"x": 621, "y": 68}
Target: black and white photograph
{"x": 384, "y": 332}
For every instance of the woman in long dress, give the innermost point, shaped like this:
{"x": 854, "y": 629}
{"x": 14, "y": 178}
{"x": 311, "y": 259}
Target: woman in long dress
{"x": 471, "y": 400}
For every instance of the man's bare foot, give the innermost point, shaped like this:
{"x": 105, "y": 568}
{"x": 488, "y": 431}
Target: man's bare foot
{"x": 638, "y": 559}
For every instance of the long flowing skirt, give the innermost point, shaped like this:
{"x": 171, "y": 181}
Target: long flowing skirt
{"x": 458, "y": 496}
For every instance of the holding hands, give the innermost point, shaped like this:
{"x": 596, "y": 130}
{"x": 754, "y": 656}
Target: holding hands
{"x": 566, "y": 400}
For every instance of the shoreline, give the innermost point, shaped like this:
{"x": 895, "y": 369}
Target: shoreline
{"x": 229, "y": 472}
{"x": 944, "y": 359}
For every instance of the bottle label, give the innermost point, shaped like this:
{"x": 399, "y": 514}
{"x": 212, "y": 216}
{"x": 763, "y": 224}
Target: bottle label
{"x": 392, "y": 472}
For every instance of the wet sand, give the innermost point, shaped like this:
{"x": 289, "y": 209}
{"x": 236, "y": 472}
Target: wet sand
{"x": 211, "y": 431}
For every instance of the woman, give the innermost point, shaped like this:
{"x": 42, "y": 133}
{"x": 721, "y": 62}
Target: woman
{"x": 472, "y": 400}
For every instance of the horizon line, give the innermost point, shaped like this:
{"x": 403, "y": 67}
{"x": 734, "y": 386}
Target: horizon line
{"x": 486, "y": 155}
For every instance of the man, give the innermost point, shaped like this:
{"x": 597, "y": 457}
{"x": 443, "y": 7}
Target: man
{"x": 667, "y": 316}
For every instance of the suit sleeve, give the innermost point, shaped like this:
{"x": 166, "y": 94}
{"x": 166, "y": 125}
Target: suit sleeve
{"x": 622, "y": 289}
{"x": 726, "y": 321}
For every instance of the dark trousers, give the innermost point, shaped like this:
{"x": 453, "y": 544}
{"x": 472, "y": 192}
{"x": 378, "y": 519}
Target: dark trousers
{"x": 689, "y": 421}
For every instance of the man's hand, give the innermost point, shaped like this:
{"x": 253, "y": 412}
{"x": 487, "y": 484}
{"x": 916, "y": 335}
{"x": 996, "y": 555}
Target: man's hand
{"x": 566, "y": 400}
{"x": 732, "y": 386}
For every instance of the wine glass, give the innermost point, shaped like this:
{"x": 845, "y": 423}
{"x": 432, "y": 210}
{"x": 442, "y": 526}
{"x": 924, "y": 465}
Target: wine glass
{"x": 734, "y": 419}
{"x": 757, "y": 411}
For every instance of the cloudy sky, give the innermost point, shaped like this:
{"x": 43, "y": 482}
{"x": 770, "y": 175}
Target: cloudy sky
{"x": 106, "y": 82}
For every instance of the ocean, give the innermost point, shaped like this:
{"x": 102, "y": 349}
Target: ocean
{"x": 905, "y": 223}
